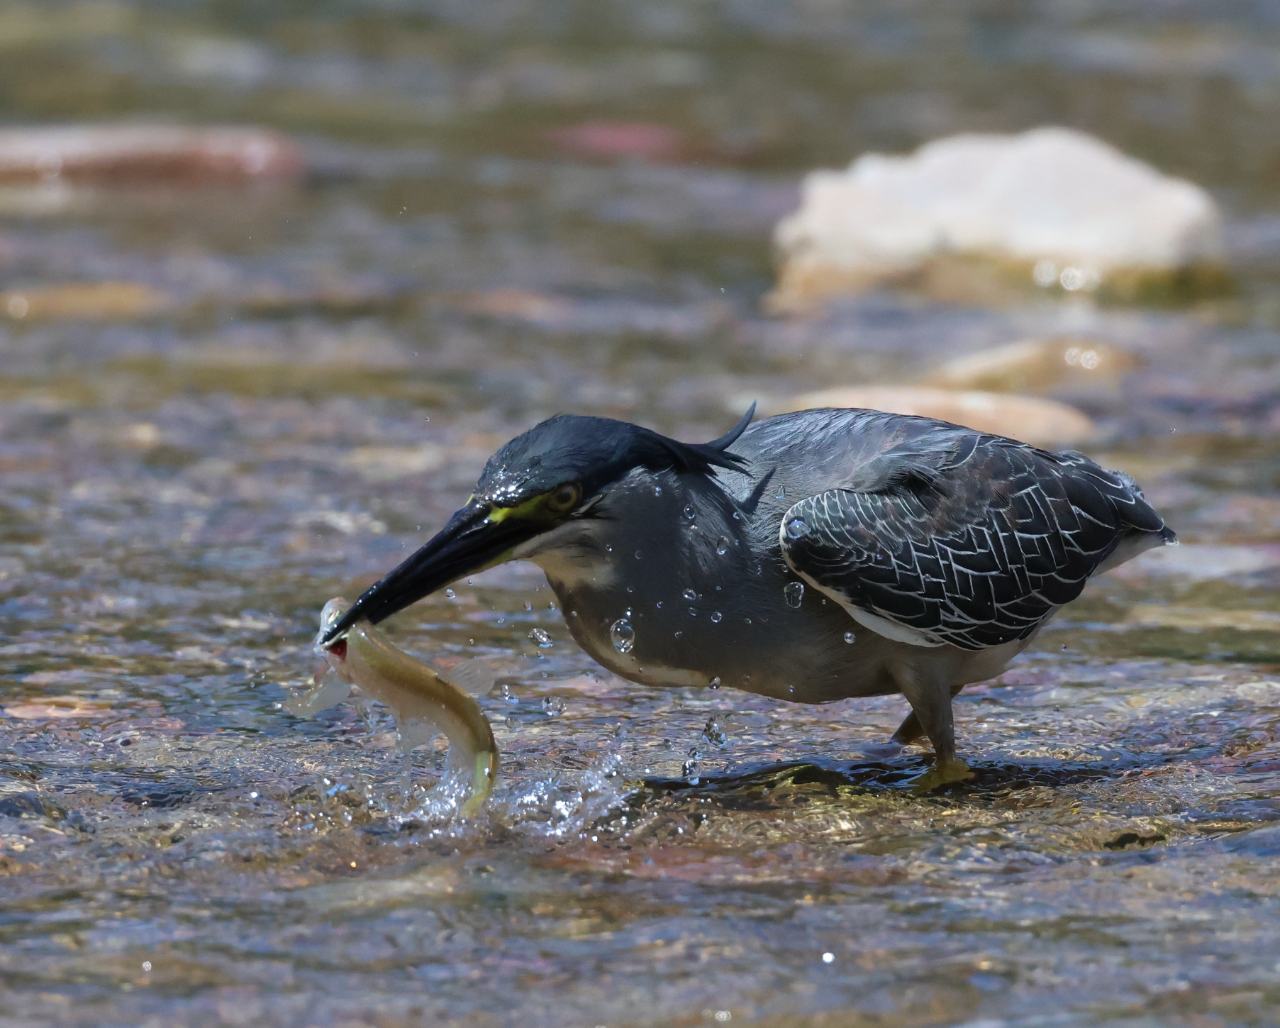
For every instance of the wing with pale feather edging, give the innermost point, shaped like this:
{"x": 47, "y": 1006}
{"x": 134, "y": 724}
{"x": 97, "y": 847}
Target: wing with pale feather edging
{"x": 973, "y": 547}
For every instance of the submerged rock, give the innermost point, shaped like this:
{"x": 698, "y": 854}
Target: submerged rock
{"x": 1056, "y": 207}
{"x": 1030, "y": 419}
{"x": 620, "y": 140}
{"x": 122, "y": 154}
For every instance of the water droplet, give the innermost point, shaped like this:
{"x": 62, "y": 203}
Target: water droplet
{"x": 782, "y": 493}
{"x": 528, "y": 606}
{"x": 551, "y": 605}
{"x": 608, "y": 548}
{"x": 714, "y": 683}
{"x": 502, "y": 621}
{"x": 689, "y": 594}
{"x": 657, "y": 490}
{"x": 507, "y": 694}
{"x": 796, "y": 527}
{"x": 541, "y": 638}
{"x": 511, "y": 723}
{"x": 553, "y": 706}
{"x": 737, "y": 515}
{"x": 146, "y": 965}
{"x": 722, "y": 546}
{"x": 716, "y": 618}
{"x": 793, "y": 593}
{"x": 689, "y": 512}
{"x": 791, "y": 689}
{"x": 849, "y": 637}
{"x": 622, "y": 635}
{"x": 713, "y": 732}
{"x": 747, "y": 620}
{"x": 451, "y": 594}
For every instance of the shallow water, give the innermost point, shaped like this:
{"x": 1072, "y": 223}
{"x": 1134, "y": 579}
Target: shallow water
{"x": 325, "y": 370}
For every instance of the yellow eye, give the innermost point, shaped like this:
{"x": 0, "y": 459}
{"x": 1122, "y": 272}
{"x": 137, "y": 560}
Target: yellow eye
{"x": 564, "y": 498}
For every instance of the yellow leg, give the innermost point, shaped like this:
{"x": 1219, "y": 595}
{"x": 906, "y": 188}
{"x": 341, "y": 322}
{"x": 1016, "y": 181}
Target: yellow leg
{"x": 943, "y": 772}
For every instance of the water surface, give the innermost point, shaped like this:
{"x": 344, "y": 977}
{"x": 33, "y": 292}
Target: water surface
{"x": 330, "y": 365}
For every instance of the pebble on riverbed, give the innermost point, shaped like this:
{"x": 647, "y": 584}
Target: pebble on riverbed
{"x": 1031, "y": 419}
{"x": 83, "y": 301}
{"x": 1037, "y": 365}
{"x": 1052, "y": 207}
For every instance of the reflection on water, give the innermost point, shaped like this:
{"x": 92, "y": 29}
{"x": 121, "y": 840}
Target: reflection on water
{"x": 220, "y": 406}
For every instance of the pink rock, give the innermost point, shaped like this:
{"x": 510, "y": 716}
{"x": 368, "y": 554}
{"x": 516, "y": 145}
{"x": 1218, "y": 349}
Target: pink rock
{"x": 639, "y": 139}
{"x": 120, "y": 154}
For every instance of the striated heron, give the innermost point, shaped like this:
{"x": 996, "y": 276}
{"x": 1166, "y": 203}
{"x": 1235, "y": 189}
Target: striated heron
{"x": 940, "y": 552}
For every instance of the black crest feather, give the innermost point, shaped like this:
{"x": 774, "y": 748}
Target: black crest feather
{"x": 595, "y": 451}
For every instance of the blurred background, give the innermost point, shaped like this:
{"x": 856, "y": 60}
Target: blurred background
{"x": 275, "y": 279}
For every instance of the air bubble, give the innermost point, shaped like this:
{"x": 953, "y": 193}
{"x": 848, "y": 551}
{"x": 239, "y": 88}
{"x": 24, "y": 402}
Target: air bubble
{"x": 689, "y": 594}
{"x": 657, "y": 490}
{"x": 622, "y": 635}
{"x": 793, "y": 593}
{"x": 689, "y": 512}
{"x": 722, "y": 546}
{"x": 796, "y": 527}
{"x": 693, "y": 612}
{"x": 714, "y": 683}
{"x": 539, "y": 636}
{"x": 451, "y": 594}
{"x": 713, "y": 732}
{"x": 716, "y": 618}
{"x": 849, "y": 637}
{"x": 553, "y": 706}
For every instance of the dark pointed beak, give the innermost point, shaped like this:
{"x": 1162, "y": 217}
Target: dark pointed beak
{"x": 468, "y": 543}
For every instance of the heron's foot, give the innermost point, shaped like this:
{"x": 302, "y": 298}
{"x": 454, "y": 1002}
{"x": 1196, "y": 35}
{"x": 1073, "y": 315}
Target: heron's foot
{"x": 944, "y": 772}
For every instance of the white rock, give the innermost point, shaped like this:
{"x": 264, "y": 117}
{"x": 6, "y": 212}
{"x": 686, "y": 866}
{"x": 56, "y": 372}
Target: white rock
{"x": 1068, "y": 205}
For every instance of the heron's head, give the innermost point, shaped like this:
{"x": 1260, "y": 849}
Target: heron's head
{"x": 559, "y": 471}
